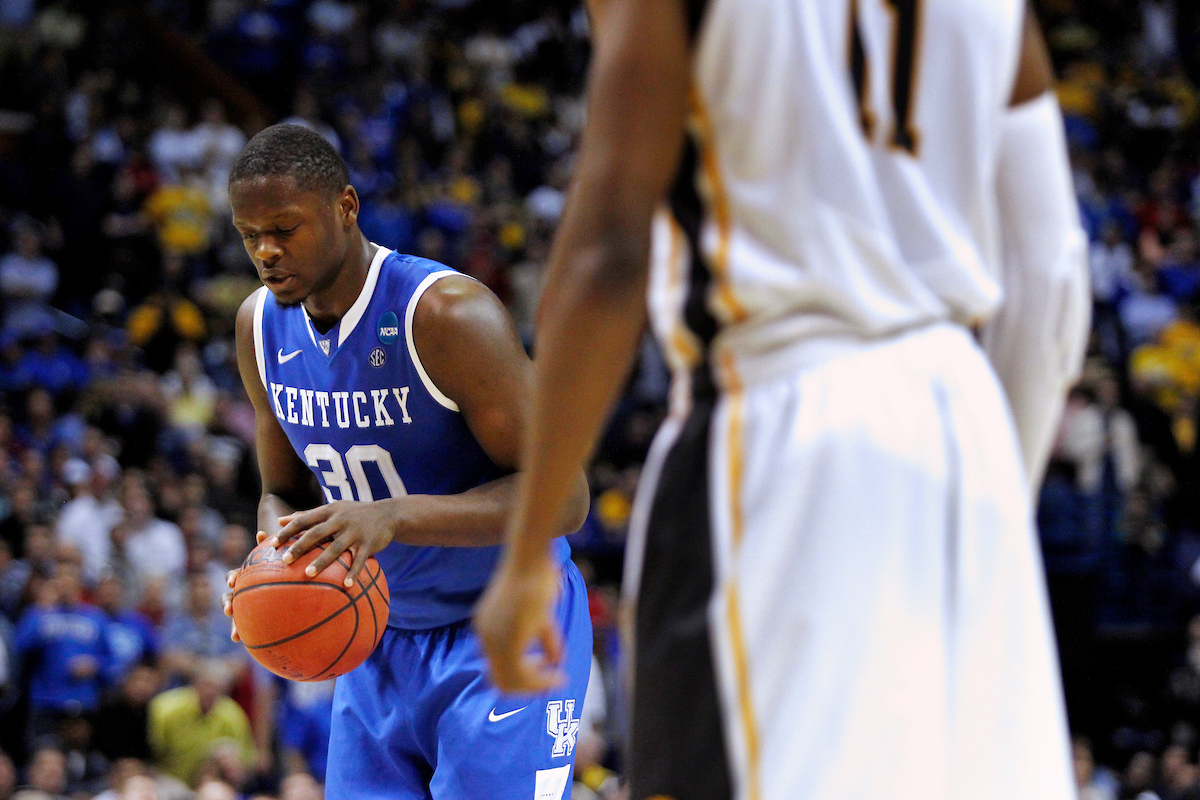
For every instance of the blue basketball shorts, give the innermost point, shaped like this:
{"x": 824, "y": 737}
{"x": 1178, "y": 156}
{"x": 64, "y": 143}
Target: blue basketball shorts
{"x": 420, "y": 719}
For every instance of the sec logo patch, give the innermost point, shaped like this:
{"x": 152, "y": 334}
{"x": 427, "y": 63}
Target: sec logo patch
{"x": 389, "y": 328}
{"x": 377, "y": 358}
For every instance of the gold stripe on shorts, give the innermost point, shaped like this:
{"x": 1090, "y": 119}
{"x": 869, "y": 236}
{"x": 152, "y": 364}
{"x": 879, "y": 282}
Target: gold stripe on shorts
{"x": 735, "y": 397}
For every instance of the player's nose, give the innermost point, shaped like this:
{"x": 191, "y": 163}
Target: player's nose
{"x": 267, "y": 252}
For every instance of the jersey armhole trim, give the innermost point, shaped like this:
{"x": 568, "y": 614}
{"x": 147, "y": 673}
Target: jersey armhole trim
{"x": 259, "y": 304}
{"x": 433, "y": 390}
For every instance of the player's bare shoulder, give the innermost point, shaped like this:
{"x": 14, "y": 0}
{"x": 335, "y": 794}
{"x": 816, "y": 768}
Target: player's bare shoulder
{"x": 472, "y": 353}
{"x": 465, "y": 336}
{"x": 246, "y": 345}
{"x": 244, "y": 325}
{"x": 453, "y": 306}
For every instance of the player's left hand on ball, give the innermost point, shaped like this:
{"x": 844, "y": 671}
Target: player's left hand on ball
{"x": 362, "y": 528}
{"x": 515, "y": 614}
{"x": 227, "y": 603}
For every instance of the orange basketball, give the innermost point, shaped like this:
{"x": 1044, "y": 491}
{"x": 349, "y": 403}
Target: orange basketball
{"x": 308, "y": 629}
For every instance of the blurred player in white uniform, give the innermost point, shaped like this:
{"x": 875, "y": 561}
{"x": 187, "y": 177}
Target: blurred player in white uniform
{"x": 868, "y": 276}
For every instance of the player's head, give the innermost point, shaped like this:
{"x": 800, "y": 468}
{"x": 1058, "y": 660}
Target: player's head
{"x": 295, "y": 209}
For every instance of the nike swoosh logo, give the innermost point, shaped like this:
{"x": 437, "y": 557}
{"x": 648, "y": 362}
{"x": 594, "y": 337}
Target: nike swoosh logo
{"x": 494, "y": 717}
{"x": 284, "y": 359}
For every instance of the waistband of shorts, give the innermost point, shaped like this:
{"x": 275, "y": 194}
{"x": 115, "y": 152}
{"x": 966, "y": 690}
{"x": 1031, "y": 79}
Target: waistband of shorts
{"x": 734, "y": 369}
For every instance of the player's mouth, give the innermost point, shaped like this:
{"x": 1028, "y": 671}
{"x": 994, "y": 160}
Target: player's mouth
{"x": 274, "y": 282}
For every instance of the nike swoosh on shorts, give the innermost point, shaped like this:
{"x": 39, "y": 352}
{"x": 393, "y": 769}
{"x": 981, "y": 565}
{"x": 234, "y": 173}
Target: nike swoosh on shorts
{"x": 494, "y": 717}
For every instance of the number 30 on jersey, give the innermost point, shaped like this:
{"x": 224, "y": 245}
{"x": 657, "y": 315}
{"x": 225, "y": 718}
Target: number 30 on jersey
{"x": 333, "y": 469}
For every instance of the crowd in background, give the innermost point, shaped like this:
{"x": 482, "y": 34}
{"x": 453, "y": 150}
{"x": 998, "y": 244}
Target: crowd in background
{"x": 127, "y": 479}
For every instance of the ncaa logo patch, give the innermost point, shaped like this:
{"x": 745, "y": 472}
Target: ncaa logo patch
{"x": 389, "y": 328}
{"x": 564, "y": 727}
{"x": 377, "y": 358}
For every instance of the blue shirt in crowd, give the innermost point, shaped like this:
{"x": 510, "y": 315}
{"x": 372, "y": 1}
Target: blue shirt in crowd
{"x": 49, "y": 642}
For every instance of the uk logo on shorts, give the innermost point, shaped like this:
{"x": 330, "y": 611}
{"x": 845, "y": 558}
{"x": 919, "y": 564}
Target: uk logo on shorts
{"x": 564, "y": 727}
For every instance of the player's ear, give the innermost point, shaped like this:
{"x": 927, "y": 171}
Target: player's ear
{"x": 347, "y": 206}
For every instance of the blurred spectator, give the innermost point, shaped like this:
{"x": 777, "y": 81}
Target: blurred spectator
{"x": 53, "y": 366}
{"x": 132, "y": 638}
{"x": 148, "y": 547}
{"x": 86, "y": 767}
{"x": 47, "y": 772}
{"x": 1157, "y": 45}
{"x": 89, "y": 516}
{"x": 1098, "y": 436}
{"x": 218, "y": 144}
{"x": 209, "y": 523}
{"x": 164, "y": 321}
{"x": 235, "y": 546}
{"x": 1139, "y": 778}
{"x": 216, "y": 790}
{"x": 1144, "y": 313}
{"x": 8, "y": 776}
{"x": 28, "y": 280}
{"x": 42, "y": 430}
{"x": 130, "y": 410}
{"x": 64, "y": 653}
{"x": 300, "y": 786}
{"x": 180, "y": 209}
{"x": 14, "y": 578}
{"x": 191, "y": 395}
{"x": 201, "y": 562}
{"x": 186, "y": 723}
{"x": 80, "y": 193}
{"x": 224, "y": 458}
{"x": 226, "y": 766}
{"x": 172, "y": 147}
{"x": 123, "y": 721}
{"x": 140, "y": 787}
{"x": 39, "y": 550}
{"x": 304, "y": 112}
{"x": 1180, "y": 779}
{"x": 124, "y": 771}
{"x": 23, "y": 512}
{"x": 128, "y": 238}
{"x": 200, "y": 633}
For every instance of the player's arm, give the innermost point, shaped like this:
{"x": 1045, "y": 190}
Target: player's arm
{"x": 286, "y": 482}
{"x": 472, "y": 353}
{"x": 1037, "y": 340}
{"x": 593, "y": 311}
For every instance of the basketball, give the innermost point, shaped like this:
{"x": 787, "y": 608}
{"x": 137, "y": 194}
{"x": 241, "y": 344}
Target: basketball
{"x": 308, "y": 629}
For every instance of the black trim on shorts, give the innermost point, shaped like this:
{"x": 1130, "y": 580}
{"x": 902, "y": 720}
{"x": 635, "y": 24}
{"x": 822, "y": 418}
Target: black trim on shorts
{"x": 695, "y": 17}
{"x": 677, "y": 745}
{"x": 688, "y": 209}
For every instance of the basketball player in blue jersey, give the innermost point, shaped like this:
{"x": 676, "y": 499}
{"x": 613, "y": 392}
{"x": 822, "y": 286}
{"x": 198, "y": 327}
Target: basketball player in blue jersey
{"x": 401, "y": 387}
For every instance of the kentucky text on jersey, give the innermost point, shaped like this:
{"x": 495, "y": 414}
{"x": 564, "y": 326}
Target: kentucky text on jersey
{"x": 312, "y": 408}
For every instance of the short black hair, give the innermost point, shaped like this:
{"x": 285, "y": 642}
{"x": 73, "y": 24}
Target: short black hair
{"x": 296, "y": 151}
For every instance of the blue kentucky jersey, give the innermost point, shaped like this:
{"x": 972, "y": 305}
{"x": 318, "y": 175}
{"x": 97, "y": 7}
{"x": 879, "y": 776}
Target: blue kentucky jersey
{"x": 361, "y": 411}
